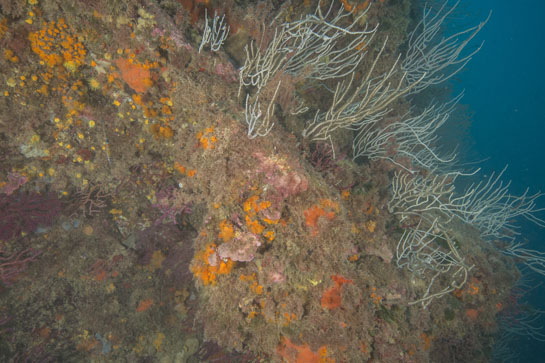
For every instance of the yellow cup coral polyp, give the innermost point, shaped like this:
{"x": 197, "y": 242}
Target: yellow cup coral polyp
{"x": 55, "y": 45}
{"x": 160, "y": 131}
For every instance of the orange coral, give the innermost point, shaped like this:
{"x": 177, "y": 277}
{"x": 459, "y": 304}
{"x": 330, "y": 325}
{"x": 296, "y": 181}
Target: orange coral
{"x": 179, "y": 167}
{"x": 207, "y": 142}
{"x": 473, "y": 289}
{"x": 269, "y": 235}
{"x": 137, "y": 76}
{"x": 55, "y": 45}
{"x": 101, "y": 275}
{"x": 226, "y": 231}
{"x": 251, "y": 207}
{"x": 254, "y": 226}
{"x": 376, "y": 298}
{"x": 202, "y": 268}
{"x": 255, "y": 287}
{"x": 339, "y": 280}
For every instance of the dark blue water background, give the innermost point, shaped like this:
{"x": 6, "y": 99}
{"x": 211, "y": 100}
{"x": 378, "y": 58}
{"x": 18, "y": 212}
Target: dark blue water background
{"x": 505, "y": 93}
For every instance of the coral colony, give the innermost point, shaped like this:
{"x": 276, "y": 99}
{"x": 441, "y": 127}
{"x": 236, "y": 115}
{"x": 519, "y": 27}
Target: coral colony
{"x": 176, "y": 185}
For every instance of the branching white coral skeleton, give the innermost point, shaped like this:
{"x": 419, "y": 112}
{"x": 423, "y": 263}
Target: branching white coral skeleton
{"x": 309, "y": 46}
{"x": 417, "y": 195}
{"x": 215, "y": 34}
{"x": 535, "y": 260}
{"x": 431, "y": 254}
{"x": 490, "y": 207}
{"x": 431, "y": 62}
{"x": 258, "y": 126}
{"x": 412, "y": 139}
{"x": 259, "y": 67}
{"x": 353, "y": 109}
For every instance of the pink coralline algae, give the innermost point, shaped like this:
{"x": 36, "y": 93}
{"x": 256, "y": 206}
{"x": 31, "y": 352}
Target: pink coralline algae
{"x": 14, "y": 181}
{"x": 226, "y": 71}
{"x": 176, "y": 36}
{"x": 274, "y": 269}
{"x": 241, "y": 248}
{"x": 170, "y": 206}
{"x": 281, "y": 176}
{"x": 276, "y": 277}
{"x": 289, "y": 184}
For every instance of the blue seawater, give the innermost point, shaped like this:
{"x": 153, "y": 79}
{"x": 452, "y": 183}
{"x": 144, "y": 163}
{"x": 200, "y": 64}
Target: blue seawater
{"x": 504, "y": 89}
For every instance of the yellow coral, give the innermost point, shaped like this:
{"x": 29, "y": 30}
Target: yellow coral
{"x": 3, "y": 27}
{"x": 56, "y": 45}
{"x": 160, "y": 131}
{"x": 371, "y": 225}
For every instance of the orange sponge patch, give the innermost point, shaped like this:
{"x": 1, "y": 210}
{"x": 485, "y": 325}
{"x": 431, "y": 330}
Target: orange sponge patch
{"x": 302, "y": 353}
{"x": 331, "y": 298}
{"x": 313, "y": 214}
{"x": 137, "y": 76}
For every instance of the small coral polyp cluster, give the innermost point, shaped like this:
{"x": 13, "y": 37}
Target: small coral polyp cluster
{"x": 55, "y": 45}
{"x": 207, "y": 267}
{"x": 210, "y": 213}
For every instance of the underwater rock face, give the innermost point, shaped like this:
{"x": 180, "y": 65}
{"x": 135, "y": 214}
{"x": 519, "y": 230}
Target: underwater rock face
{"x": 141, "y": 219}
